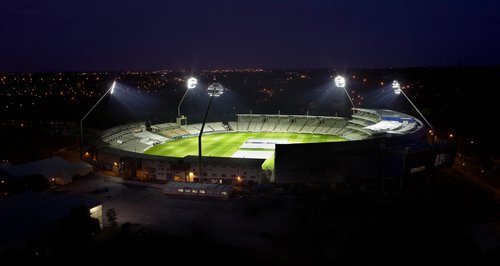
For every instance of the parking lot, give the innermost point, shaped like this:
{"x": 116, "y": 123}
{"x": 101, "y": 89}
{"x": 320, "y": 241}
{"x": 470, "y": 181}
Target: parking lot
{"x": 233, "y": 222}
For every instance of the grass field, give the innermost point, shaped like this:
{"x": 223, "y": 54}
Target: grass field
{"x": 226, "y": 144}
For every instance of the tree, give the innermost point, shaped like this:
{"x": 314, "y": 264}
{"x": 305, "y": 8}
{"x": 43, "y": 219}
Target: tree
{"x": 74, "y": 237}
{"x": 112, "y": 219}
{"x": 79, "y": 226}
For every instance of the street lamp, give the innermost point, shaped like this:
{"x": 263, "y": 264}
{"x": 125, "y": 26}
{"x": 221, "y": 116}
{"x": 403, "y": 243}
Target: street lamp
{"x": 398, "y": 90}
{"x": 191, "y": 84}
{"x": 340, "y": 83}
{"x": 110, "y": 91}
{"x": 214, "y": 90}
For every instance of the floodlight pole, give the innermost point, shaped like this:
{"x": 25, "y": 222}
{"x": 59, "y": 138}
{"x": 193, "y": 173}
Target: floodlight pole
{"x": 200, "y": 168}
{"x": 425, "y": 119}
{"x": 349, "y": 97}
{"x": 81, "y": 121}
{"x": 179, "y": 106}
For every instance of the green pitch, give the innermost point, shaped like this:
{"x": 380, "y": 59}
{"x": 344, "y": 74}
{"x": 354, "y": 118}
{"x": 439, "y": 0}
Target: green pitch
{"x": 226, "y": 144}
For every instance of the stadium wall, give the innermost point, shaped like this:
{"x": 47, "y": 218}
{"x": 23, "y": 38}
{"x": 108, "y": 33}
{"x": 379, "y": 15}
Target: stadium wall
{"x": 413, "y": 159}
{"x": 144, "y": 167}
{"x": 227, "y": 170}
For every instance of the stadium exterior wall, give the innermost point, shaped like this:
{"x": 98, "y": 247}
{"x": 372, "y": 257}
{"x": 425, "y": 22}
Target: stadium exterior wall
{"x": 394, "y": 159}
{"x": 144, "y": 167}
{"x": 332, "y": 162}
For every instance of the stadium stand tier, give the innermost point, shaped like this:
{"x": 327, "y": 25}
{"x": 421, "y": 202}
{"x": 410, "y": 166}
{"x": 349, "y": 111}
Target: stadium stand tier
{"x": 363, "y": 124}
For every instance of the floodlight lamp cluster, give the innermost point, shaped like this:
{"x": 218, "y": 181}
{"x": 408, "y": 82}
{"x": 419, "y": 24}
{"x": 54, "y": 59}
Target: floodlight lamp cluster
{"x": 340, "y": 82}
{"x": 215, "y": 90}
{"x": 191, "y": 83}
{"x": 396, "y": 87}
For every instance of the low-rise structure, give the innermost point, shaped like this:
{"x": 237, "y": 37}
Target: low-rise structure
{"x": 56, "y": 170}
{"x": 220, "y": 191}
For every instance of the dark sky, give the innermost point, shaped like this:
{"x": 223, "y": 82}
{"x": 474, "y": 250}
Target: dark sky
{"x": 67, "y": 35}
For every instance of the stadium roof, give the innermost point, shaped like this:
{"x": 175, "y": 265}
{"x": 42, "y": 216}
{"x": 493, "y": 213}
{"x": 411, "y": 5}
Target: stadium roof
{"x": 287, "y": 116}
{"x": 391, "y": 113}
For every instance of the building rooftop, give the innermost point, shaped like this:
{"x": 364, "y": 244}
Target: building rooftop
{"x": 30, "y": 212}
{"x": 47, "y": 167}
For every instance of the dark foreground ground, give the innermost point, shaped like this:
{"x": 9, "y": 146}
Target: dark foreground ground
{"x": 447, "y": 221}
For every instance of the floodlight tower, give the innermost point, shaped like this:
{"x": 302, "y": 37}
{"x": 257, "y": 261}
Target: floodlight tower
{"x": 340, "y": 83}
{"x": 214, "y": 90}
{"x": 110, "y": 91}
{"x": 191, "y": 84}
{"x": 397, "y": 90}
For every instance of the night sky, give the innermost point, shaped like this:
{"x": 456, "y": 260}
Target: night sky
{"x": 96, "y": 35}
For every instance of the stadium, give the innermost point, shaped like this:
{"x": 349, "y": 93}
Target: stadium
{"x": 246, "y": 150}
{"x": 242, "y": 150}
